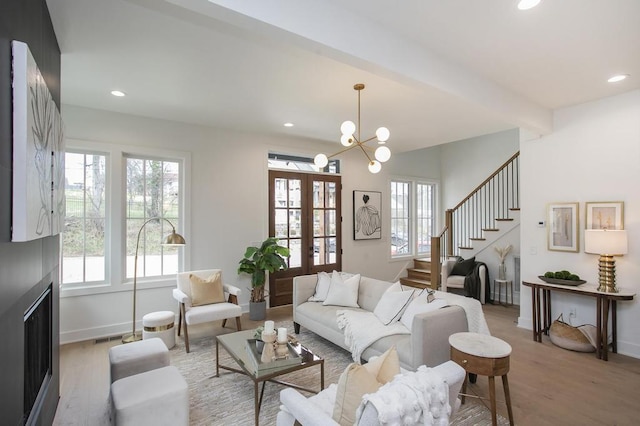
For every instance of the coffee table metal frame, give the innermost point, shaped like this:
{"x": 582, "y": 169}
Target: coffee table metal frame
{"x": 234, "y": 344}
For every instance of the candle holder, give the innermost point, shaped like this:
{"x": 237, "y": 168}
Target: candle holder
{"x": 282, "y": 350}
{"x": 268, "y": 353}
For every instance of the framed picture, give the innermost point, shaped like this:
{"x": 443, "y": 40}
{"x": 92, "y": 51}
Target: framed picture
{"x": 367, "y": 220}
{"x": 562, "y": 227}
{"x": 605, "y": 215}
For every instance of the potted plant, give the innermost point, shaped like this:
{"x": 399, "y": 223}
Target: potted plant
{"x": 269, "y": 257}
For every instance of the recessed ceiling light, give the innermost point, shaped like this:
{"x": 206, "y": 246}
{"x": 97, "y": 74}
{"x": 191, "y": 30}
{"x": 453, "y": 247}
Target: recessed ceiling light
{"x": 117, "y": 93}
{"x": 617, "y": 78}
{"x": 527, "y": 4}
{"x": 288, "y": 124}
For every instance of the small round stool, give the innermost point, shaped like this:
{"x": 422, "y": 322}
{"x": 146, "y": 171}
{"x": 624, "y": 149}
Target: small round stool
{"x": 487, "y": 356}
{"x": 508, "y": 284}
{"x": 160, "y": 324}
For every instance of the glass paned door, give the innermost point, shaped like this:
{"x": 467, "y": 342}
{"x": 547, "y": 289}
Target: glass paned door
{"x": 304, "y": 213}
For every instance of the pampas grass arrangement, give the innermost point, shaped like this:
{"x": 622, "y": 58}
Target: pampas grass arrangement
{"x": 503, "y": 251}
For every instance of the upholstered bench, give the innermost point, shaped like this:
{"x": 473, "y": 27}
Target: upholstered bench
{"x": 155, "y": 397}
{"x": 137, "y": 357}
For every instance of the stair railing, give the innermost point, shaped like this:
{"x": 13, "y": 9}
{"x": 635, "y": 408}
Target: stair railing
{"x": 490, "y": 202}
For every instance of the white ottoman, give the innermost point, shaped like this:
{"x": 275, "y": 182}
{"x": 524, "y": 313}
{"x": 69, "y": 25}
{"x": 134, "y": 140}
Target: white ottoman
{"x": 137, "y": 357}
{"x": 160, "y": 324}
{"x": 156, "y": 397}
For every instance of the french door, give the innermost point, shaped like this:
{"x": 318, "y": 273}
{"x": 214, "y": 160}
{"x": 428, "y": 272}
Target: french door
{"x": 305, "y": 214}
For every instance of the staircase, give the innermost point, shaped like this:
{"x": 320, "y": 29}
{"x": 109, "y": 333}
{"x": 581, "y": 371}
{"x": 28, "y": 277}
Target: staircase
{"x": 479, "y": 218}
{"x": 420, "y": 275}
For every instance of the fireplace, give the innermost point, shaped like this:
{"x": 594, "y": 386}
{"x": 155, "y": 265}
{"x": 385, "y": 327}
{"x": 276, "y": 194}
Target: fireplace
{"x": 37, "y": 355}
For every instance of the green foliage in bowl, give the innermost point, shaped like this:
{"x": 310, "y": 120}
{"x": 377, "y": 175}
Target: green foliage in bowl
{"x": 562, "y": 275}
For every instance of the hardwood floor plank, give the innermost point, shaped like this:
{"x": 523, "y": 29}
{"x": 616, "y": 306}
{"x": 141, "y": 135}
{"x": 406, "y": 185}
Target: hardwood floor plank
{"x": 548, "y": 385}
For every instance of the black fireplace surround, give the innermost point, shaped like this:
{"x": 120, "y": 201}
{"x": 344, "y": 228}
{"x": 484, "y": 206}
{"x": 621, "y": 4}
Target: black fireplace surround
{"x": 27, "y": 269}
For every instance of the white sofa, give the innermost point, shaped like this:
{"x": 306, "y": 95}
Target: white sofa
{"x": 457, "y": 281}
{"x": 428, "y": 343}
{"x": 317, "y": 410}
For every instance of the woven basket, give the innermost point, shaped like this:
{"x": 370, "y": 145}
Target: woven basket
{"x": 569, "y": 337}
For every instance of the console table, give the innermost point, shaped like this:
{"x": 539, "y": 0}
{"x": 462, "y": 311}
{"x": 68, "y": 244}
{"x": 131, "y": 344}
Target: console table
{"x": 605, "y": 302}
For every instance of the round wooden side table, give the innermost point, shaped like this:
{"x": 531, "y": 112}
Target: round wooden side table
{"x": 487, "y": 356}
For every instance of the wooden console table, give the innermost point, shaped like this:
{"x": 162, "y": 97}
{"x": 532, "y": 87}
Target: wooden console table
{"x": 605, "y": 302}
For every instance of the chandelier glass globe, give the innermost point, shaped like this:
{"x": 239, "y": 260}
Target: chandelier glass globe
{"x": 383, "y": 154}
{"x": 375, "y": 166}
{"x": 321, "y": 160}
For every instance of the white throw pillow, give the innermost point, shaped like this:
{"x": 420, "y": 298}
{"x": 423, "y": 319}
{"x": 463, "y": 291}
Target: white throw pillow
{"x": 420, "y": 305}
{"x": 343, "y": 293}
{"x": 322, "y": 287}
{"x": 392, "y": 304}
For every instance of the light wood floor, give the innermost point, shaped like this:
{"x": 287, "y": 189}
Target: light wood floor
{"x": 549, "y": 385}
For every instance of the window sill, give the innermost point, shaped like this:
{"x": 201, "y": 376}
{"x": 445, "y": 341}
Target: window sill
{"x": 88, "y": 290}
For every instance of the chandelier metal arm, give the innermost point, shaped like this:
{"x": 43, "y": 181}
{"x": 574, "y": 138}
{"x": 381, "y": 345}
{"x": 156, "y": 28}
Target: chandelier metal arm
{"x": 362, "y": 147}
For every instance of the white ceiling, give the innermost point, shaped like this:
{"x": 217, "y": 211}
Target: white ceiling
{"x": 436, "y": 71}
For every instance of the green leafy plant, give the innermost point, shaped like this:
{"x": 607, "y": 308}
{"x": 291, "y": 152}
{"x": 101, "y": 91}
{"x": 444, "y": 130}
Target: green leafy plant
{"x": 562, "y": 275}
{"x": 269, "y": 257}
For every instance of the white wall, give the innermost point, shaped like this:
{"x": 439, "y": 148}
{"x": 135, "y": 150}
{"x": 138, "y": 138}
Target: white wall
{"x": 592, "y": 155}
{"x": 229, "y": 210}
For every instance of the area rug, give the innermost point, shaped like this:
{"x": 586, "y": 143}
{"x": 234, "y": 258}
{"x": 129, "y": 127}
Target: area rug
{"x": 228, "y": 399}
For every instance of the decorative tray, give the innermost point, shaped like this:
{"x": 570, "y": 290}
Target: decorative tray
{"x": 561, "y": 282}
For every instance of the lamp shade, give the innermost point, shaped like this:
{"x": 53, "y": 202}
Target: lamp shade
{"x": 174, "y": 239}
{"x": 605, "y": 241}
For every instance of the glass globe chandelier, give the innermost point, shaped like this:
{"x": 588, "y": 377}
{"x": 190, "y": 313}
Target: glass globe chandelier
{"x": 348, "y": 139}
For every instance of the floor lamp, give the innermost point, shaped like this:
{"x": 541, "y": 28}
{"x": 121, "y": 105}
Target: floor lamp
{"x": 172, "y": 239}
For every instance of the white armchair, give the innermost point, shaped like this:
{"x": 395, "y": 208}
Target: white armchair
{"x": 318, "y": 409}
{"x": 204, "y": 313}
{"x": 457, "y": 281}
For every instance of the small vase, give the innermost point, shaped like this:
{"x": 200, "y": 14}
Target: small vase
{"x": 502, "y": 271}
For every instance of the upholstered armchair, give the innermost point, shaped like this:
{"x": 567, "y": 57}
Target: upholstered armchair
{"x": 203, "y": 297}
{"x": 317, "y": 410}
{"x": 453, "y": 276}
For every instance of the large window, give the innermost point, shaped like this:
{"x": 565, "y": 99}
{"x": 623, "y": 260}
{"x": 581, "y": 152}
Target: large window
{"x": 83, "y": 239}
{"x": 153, "y": 194}
{"x": 412, "y": 217}
{"x": 113, "y": 195}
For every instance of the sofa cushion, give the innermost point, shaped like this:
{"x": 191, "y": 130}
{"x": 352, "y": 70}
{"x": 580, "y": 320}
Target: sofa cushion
{"x": 354, "y": 382}
{"x": 463, "y": 267}
{"x": 392, "y": 304}
{"x": 370, "y": 292}
{"x": 322, "y": 287}
{"x": 386, "y": 366}
{"x": 343, "y": 292}
{"x": 206, "y": 291}
{"x": 420, "y": 305}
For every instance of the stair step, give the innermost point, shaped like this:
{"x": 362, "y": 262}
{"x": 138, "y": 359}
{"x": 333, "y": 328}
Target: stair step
{"x": 504, "y": 219}
{"x": 514, "y": 209}
{"x": 422, "y": 264}
{"x": 415, "y": 283}
{"x": 490, "y": 229}
{"x": 478, "y": 239}
{"x": 421, "y": 274}
{"x": 465, "y": 248}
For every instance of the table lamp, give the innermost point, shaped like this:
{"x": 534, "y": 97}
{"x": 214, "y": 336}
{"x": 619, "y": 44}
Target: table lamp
{"x": 607, "y": 243}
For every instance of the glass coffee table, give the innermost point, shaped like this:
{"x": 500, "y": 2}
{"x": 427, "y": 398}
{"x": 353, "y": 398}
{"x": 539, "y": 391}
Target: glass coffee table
{"x": 235, "y": 345}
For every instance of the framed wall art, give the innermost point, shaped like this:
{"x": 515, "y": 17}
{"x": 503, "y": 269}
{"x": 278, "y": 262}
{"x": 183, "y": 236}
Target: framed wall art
{"x": 367, "y": 221}
{"x": 38, "y": 203}
{"x": 605, "y": 215}
{"x": 562, "y": 227}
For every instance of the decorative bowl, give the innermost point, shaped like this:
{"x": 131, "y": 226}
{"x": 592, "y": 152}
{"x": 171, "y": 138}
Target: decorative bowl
{"x": 561, "y": 282}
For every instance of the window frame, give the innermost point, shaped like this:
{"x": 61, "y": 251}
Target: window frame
{"x": 115, "y": 232}
{"x": 413, "y": 213}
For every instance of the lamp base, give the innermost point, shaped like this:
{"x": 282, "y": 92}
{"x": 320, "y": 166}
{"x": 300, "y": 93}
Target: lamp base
{"x": 129, "y": 338}
{"x": 607, "y": 274}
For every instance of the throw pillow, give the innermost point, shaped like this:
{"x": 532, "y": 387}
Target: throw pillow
{"x": 322, "y": 287}
{"x": 206, "y": 291}
{"x": 391, "y": 305}
{"x": 343, "y": 293}
{"x": 386, "y": 366}
{"x": 420, "y": 305}
{"x": 464, "y": 267}
{"x": 354, "y": 382}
